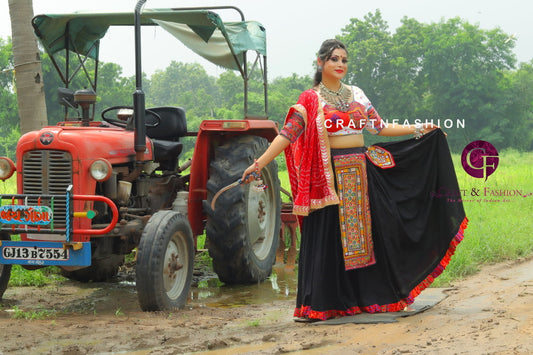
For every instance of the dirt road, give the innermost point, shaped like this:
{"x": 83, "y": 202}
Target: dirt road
{"x": 488, "y": 313}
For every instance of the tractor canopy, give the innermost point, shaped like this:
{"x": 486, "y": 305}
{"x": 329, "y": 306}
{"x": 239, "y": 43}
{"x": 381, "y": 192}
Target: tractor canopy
{"x": 225, "y": 44}
{"x": 202, "y": 30}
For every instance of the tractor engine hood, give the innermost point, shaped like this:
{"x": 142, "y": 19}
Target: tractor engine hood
{"x": 114, "y": 144}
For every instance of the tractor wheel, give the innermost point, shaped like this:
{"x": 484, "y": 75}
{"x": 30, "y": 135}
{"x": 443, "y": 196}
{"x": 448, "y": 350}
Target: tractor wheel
{"x": 5, "y": 269}
{"x": 243, "y": 229}
{"x": 165, "y": 261}
{"x": 101, "y": 269}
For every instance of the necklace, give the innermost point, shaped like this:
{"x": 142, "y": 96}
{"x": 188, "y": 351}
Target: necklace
{"x": 339, "y": 99}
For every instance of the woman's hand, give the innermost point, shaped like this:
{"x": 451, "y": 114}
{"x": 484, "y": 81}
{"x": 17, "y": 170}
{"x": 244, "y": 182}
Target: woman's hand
{"x": 428, "y": 127}
{"x": 276, "y": 147}
{"x": 247, "y": 176}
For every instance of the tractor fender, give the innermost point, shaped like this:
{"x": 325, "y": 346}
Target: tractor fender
{"x": 213, "y": 133}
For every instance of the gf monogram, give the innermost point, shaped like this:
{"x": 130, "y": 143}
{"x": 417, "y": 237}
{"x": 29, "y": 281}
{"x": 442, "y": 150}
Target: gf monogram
{"x": 480, "y": 159}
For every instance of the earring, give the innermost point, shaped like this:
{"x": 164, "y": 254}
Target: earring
{"x": 319, "y": 69}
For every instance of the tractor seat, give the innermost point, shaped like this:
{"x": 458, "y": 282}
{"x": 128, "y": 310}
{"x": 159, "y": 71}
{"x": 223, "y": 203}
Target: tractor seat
{"x": 172, "y": 126}
{"x": 166, "y": 150}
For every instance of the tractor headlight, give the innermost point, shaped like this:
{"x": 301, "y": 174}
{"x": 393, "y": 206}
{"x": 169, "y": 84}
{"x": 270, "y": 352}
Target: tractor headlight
{"x": 7, "y": 168}
{"x": 101, "y": 170}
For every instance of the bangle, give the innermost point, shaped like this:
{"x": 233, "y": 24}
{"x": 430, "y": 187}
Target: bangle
{"x": 419, "y": 132}
{"x": 261, "y": 185}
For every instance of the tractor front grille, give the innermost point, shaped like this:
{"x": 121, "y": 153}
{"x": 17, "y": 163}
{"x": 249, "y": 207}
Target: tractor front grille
{"x": 48, "y": 172}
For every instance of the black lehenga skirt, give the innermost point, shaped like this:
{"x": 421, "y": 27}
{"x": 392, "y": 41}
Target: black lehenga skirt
{"x": 417, "y": 221}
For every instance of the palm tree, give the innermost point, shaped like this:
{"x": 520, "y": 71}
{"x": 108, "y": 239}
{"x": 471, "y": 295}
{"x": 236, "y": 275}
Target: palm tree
{"x": 28, "y": 72}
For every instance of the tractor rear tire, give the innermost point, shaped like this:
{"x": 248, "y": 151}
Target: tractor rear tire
{"x": 5, "y": 269}
{"x": 165, "y": 261}
{"x": 243, "y": 229}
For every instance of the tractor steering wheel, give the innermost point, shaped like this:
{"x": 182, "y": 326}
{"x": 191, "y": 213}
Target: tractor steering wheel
{"x": 122, "y": 120}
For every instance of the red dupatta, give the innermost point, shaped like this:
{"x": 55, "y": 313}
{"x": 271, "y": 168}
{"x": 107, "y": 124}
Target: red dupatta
{"x": 309, "y": 159}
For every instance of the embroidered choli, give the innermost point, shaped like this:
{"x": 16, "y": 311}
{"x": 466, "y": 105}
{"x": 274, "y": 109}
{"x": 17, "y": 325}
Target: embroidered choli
{"x": 308, "y": 156}
{"x": 361, "y": 114}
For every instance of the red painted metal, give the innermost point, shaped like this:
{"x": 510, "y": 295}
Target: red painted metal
{"x": 214, "y": 132}
{"x": 85, "y": 145}
{"x": 111, "y": 225}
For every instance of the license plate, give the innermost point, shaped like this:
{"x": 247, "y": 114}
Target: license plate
{"x": 35, "y": 253}
{"x": 44, "y": 253}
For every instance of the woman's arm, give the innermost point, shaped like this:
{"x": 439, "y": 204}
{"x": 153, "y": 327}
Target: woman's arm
{"x": 277, "y": 146}
{"x": 402, "y": 130}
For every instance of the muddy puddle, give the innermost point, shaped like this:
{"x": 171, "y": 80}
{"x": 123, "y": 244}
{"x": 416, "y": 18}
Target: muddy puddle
{"x": 210, "y": 292}
{"x": 120, "y": 297}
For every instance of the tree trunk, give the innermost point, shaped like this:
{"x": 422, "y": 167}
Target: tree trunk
{"x": 28, "y": 72}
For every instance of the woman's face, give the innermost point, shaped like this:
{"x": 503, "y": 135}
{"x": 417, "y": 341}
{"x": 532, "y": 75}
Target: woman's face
{"x": 336, "y": 66}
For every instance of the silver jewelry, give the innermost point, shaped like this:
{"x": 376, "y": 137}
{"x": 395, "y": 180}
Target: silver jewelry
{"x": 419, "y": 132}
{"x": 339, "y": 99}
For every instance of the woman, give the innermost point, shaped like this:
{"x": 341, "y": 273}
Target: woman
{"x": 374, "y": 232}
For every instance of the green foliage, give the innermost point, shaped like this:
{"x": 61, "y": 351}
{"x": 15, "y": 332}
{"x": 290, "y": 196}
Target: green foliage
{"x": 186, "y": 85}
{"x": 230, "y": 85}
{"x": 254, "y": 323}
{"x": 8, "y": 186}
{"x": 283, "y": 93}
{"x": 464, "y": 67}
{"x": 8, "y": 99}
{"x": 113, "y": 89}
{"x": 518, "y": 117}
{"x": 368, "y": 43}
{"x": 119, "y": 313}
{"x": 445, "y": 71}
{"x": 448, "y": 70}
{"x": 9, "y": 136}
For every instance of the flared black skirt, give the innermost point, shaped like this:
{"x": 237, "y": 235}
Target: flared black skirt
{"x": 417, "y": 222}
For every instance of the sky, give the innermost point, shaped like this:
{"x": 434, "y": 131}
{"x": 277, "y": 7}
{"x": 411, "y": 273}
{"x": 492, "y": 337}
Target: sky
{"x": 295, "y": 29}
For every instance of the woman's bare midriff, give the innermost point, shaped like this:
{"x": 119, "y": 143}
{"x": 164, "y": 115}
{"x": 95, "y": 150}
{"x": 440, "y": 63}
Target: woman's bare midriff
{"x": 351, "y": 141}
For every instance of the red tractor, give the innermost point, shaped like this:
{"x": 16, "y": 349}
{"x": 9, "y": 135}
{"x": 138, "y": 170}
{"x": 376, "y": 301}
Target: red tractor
{"x": 90, "y": 192}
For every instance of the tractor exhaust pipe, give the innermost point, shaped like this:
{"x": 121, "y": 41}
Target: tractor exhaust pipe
{"x": 138, "y": 95}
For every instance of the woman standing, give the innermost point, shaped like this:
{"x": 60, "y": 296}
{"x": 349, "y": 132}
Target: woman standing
{"x": 374, "y": 230}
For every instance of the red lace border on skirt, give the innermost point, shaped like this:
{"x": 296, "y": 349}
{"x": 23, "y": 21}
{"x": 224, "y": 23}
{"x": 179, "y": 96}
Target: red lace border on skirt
{"x": 307, "y": 312}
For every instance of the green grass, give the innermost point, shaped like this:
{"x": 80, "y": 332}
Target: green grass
{"x": 39, "y": 313}
{"x": 499, "y": 230}
{"x": 37, "y": 278}
{"x": 283, "y": 177}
